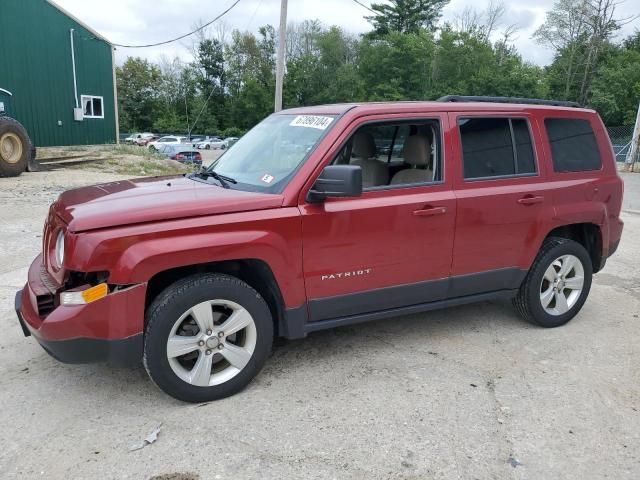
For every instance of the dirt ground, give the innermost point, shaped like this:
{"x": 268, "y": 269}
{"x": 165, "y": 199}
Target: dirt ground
{"x": 466, "y": 393}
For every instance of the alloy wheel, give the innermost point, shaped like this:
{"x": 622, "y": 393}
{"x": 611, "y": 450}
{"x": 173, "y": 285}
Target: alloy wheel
{"x": 562, "y": 285}
{"x": 211, "y": 342}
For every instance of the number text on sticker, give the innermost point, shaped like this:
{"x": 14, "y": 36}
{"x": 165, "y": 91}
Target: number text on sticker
{"x": 311, "y": 121}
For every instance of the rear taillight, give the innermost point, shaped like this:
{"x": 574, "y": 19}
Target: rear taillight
{"x": 179, "y": 156}
{"x": 198, "y": 156}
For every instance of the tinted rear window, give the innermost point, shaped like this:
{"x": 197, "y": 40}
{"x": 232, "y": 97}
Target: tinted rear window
{"x": 496, "y": 147}
{"x": 573, "y": 145}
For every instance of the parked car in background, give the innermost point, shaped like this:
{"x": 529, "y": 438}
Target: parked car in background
{"x": 194, "y": 141}
{"x": 166, "y": 140}
{"x": 212, "y": 143}
{"x": 144, "y": 141}
{"x": 136, "y": 137}
{"x": 181, "y": 153}
{"x": 230, "y": 141}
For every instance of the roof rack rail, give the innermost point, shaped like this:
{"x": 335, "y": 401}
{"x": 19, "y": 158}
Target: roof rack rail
{"x": 527, "y": 101}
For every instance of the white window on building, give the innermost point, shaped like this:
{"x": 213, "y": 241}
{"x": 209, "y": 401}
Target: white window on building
{"x": 92, "y": 106}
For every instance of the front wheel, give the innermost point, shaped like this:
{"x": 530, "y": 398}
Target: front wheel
{"x": 206, "y": 337}
{"x": 557, "y": 284}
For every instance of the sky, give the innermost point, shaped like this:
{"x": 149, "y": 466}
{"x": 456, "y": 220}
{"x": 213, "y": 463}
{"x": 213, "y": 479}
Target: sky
{"x": 135, "y": 22}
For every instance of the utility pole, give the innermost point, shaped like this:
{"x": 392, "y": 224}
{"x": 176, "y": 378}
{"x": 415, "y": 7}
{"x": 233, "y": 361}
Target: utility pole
{"x": 632, "y": 156}
{"x": 280, "y": 57}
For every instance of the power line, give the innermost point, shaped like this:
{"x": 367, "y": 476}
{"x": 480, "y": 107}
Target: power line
{"x": 254, "y": 15}
{"x": 365, "y": 6}
{"x": 182, "y": 36}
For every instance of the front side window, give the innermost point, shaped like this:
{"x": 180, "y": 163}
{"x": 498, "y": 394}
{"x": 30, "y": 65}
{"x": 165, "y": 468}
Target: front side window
{"x": 92, "y": 106}
{"x": 496, "y": 147}
{"x": 395, "y": 153}
{"x": 573, "y": 145}
{"x": 270, "y": 153}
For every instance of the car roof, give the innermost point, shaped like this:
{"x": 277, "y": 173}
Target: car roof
{"x": 421, "y": 106}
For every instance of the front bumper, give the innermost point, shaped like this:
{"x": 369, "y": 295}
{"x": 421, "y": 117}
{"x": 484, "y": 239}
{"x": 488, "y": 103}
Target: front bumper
{"x": 107, "y": 330}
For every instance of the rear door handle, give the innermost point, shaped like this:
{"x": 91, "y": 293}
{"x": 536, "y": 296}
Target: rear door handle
{"x": 428, "y": 212}
{"x": 530, "y": 200}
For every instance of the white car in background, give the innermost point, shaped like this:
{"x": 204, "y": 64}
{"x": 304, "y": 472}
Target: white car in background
{"x": 212, "y": 143}
{"x": 230, "y": 141}
{"x": 137, "y": 137}
{"x": 167, "y": 140}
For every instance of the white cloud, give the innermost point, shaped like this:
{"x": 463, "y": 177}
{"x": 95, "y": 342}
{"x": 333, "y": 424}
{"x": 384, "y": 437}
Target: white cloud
{"x": 150, "y": 21}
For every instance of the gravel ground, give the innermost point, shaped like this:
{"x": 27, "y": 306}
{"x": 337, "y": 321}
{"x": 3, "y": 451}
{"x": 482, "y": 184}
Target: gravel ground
{"x": 470, "y": 392}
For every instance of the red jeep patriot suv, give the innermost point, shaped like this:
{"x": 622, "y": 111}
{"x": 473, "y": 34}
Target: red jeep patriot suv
{"x": 326, "y": 216}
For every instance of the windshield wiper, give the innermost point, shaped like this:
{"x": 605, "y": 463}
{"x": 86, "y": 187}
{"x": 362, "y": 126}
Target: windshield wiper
{"x": 223, "y": 179}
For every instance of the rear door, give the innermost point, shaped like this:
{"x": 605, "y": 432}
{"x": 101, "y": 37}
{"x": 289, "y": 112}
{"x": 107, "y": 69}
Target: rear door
{"x": 390, "y": 247}
{"x": 504, "y": 205}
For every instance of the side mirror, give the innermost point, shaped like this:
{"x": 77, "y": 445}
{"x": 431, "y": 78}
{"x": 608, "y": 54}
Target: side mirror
{"x": 337, "y": 181}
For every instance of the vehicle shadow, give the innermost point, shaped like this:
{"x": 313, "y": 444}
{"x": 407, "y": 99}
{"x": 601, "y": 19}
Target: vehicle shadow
{"x": 429, "y": 329}
{"x": 482, "y": 317}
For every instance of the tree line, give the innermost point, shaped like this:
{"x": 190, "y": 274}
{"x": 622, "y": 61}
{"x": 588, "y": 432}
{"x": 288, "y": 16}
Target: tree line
{"x": 409, "y": 54}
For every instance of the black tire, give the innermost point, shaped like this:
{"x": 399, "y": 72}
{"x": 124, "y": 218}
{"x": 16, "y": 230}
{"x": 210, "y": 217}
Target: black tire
{"x": 222, "y": 147}
{"x": 13, "y": 135}
{"x": 177, "y": 299}
{"x": 527, "y": 302}
{"x": 207, "y": 147}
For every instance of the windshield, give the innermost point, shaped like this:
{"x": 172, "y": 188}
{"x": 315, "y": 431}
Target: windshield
{"x": 269, "y": 154}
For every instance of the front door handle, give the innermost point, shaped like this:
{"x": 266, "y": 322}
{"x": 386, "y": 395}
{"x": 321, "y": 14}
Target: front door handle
{"x": 430, "y": 211}
{"x": 530, "y": 200}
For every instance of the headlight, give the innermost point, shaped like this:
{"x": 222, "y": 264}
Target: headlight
{"x": 60, "y": 249}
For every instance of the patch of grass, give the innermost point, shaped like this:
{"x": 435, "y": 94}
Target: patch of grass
{"x": 130, "y": 150}
{"x": 120, "y": 159}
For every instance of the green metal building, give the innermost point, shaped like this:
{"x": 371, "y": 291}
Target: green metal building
{"x": 57, "y": 75}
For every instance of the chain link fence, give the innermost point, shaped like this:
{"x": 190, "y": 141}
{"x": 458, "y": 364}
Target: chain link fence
{"x": 621, "y": 140}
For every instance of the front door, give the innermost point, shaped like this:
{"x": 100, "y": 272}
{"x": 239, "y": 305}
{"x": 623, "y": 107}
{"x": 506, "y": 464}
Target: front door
{"x": 392, "y": 246}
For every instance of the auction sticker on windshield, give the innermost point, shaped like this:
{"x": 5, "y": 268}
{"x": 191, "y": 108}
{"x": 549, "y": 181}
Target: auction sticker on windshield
{"x": 311, "y": 121}
{"x": 267, "y": 178}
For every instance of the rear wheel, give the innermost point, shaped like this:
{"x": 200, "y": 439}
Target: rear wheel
{"x": 15, "y": 148}
{"x": 207, "y": 336}
{"x": 557, "y": 284}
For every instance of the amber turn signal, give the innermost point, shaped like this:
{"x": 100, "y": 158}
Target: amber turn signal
{"x": 86, "y": 296}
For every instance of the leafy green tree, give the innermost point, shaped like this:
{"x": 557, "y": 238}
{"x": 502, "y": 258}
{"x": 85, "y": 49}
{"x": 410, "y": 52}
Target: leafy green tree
{"x": 250, "y": 76}
{"x": 210, "y": 111}
{"x": 325, "y": 71}
{"x": 406, "y": 16}
{"x": 396, "y": 66}
{"x": 138, "y": 83}
{"x": 615, "y": 91}
{"x": 229, "y": 86}
{"x": 580, "y": 31}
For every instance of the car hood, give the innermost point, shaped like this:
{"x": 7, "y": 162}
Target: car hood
{"x": 142, "y": 200}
